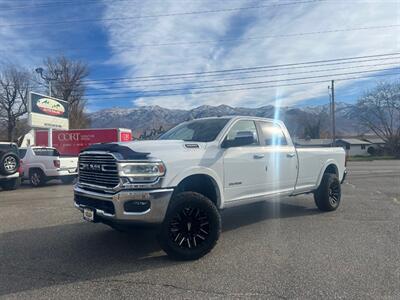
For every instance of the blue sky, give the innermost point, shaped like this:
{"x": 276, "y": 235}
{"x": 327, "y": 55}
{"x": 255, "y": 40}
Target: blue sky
{"x": 132, "y": 38}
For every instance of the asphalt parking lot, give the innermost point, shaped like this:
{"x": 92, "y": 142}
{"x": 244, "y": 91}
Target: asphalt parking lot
{"x": 285, "y": 249}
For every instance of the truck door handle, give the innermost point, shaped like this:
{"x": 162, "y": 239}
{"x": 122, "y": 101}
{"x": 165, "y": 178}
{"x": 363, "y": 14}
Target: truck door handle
{"x": 290, "y": 155}
{"x": 258, "y": 156}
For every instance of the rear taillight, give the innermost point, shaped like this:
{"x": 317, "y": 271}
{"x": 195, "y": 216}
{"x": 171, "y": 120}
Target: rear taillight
{"x": 56, "y": 163}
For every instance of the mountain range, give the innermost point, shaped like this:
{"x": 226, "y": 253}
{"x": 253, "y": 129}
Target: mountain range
{"x": 146, "y": 118}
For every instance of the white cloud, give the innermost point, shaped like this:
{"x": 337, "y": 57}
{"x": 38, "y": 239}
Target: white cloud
{"x": 279, "y": 20}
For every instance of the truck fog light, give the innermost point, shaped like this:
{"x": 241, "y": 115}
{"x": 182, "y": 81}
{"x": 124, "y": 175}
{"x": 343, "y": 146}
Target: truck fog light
{"x": 137, "y": 206}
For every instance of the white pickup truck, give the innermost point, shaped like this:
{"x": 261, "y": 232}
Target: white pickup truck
{"x": 182, "y": 180}
{"x": 41, "y": 164}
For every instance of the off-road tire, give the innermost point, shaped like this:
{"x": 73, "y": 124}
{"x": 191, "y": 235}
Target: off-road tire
{"x": 327, "y": 196}
{"x": 184, "y": 234}
{"x": 9, "y": 163}
{"x": 11, "y": 184}
{"x": 37, "y": 178}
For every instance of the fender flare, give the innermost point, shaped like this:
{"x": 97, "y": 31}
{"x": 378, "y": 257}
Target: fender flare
{"x": 324, "y": 167}
{"x": 202, "y": 171}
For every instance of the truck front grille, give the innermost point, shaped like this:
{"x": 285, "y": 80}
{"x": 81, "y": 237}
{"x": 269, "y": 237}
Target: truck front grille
{"x": 98, "y": 169}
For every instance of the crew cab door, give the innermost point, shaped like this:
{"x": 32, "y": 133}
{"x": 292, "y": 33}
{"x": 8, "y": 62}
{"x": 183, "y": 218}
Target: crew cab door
{"x": 280, "y": 158}
{"x": 244, "y": 169}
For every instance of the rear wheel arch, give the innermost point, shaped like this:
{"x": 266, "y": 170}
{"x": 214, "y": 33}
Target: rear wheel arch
{"x": 329, "y": 168}
{"x": 31, "y": 170}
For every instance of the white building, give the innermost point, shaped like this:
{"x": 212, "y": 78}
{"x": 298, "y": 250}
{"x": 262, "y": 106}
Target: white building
{"x": 354, "y": 147}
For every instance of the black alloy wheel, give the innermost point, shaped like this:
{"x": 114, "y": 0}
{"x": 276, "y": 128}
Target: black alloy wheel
{"x": 328, "y": 195}
{"x": 191, "y": 227}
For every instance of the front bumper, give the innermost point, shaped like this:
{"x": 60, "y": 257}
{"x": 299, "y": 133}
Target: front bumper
{"x": 9, "y": 177}
{"x": 113, "y": 207}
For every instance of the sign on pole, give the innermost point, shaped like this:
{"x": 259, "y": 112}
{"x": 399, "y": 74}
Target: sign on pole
{"x": 47, "y": 112}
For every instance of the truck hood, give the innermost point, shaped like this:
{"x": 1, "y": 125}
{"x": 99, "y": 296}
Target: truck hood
{"x": 161, "y": 148}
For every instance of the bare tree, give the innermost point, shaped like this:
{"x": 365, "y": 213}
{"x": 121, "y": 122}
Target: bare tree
{"x": 70, "y": 87}
{"x": 379, "y": 110}
{"x": 315, "y": 125}
{"x": 15, "y": 84}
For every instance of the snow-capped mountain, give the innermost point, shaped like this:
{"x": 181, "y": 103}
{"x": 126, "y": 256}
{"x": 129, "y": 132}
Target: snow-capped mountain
{"x": 146, "y": 118}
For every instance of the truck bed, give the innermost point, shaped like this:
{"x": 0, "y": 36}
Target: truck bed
{"x": 312, "y": 160}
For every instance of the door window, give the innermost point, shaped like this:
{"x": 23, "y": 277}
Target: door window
{"x": 272, "y": 134}
{"x": 243, "y": 127}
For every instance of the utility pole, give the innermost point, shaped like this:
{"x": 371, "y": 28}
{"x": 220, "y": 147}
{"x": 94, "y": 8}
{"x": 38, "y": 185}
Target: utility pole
{"x": 49, "y": 80}
{"x": 333, "y": 113}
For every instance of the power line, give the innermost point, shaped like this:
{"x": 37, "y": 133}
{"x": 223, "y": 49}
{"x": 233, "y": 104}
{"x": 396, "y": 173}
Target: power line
{"x": 247, "y": 77}
{"x": 174, "y": 14}
{"x": 122, "y": 81}
{"x": 275, "y": 67}
{"x": 129, "y": 48}
{"x": 250, "y": 88}
{"x": 58, "y": 3}
{"x": 245, "y": 84}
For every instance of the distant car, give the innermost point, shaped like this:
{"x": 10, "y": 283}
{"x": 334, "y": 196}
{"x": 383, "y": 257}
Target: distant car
{"x": 41, "y": 164}
{"x": 9, "y": 166}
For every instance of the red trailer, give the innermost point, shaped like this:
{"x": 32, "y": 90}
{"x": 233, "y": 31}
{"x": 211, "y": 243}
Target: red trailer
{"x": 71, "y": 142}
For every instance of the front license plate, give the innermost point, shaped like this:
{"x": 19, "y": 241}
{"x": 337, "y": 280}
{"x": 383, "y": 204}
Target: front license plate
{"x": 88, "y": 214}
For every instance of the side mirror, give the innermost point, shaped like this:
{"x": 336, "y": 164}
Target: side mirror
{"x": 242, "y": 138}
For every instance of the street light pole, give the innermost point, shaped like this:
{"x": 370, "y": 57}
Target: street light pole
{"x": 49, "y": 80}
{"x": 332, "y": 112}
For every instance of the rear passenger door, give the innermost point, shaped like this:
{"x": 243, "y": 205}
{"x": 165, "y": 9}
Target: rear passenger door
{"x": 279, "y": 157}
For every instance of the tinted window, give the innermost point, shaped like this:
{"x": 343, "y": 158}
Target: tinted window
{"x": 46, "y": 152}
{"x": 272, "y": 134}
{"x": 205, "y": 130}
{"x": 4, "y": 147}
{"x": 243, "y": 127}
{"x": 9, "y": 147}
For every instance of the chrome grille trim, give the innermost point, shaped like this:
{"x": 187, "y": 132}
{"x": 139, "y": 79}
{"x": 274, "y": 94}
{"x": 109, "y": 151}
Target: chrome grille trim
{"x": 98, "y": 169}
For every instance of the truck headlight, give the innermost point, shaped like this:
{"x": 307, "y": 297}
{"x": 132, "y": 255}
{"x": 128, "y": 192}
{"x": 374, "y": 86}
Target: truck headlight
{"x": 142, "y": 169}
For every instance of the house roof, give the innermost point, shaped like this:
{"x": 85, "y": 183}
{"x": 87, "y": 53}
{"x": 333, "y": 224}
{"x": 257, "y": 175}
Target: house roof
{"x": 375, "y": 140}
{"x": 354, "y": 141}
{"x": 310, "y": 142}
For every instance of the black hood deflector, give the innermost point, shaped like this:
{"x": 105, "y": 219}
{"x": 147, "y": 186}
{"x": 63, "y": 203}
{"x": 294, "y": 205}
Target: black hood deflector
{"x": 124, "y": 151}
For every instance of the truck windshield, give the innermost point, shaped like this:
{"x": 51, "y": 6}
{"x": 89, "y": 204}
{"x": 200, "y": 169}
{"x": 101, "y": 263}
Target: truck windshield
{"x": 205, "y": 130}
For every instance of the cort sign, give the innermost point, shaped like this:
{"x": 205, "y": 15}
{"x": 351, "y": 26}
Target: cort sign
{"x": 68, "y": 137}
{"x": 47, "y": 112}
